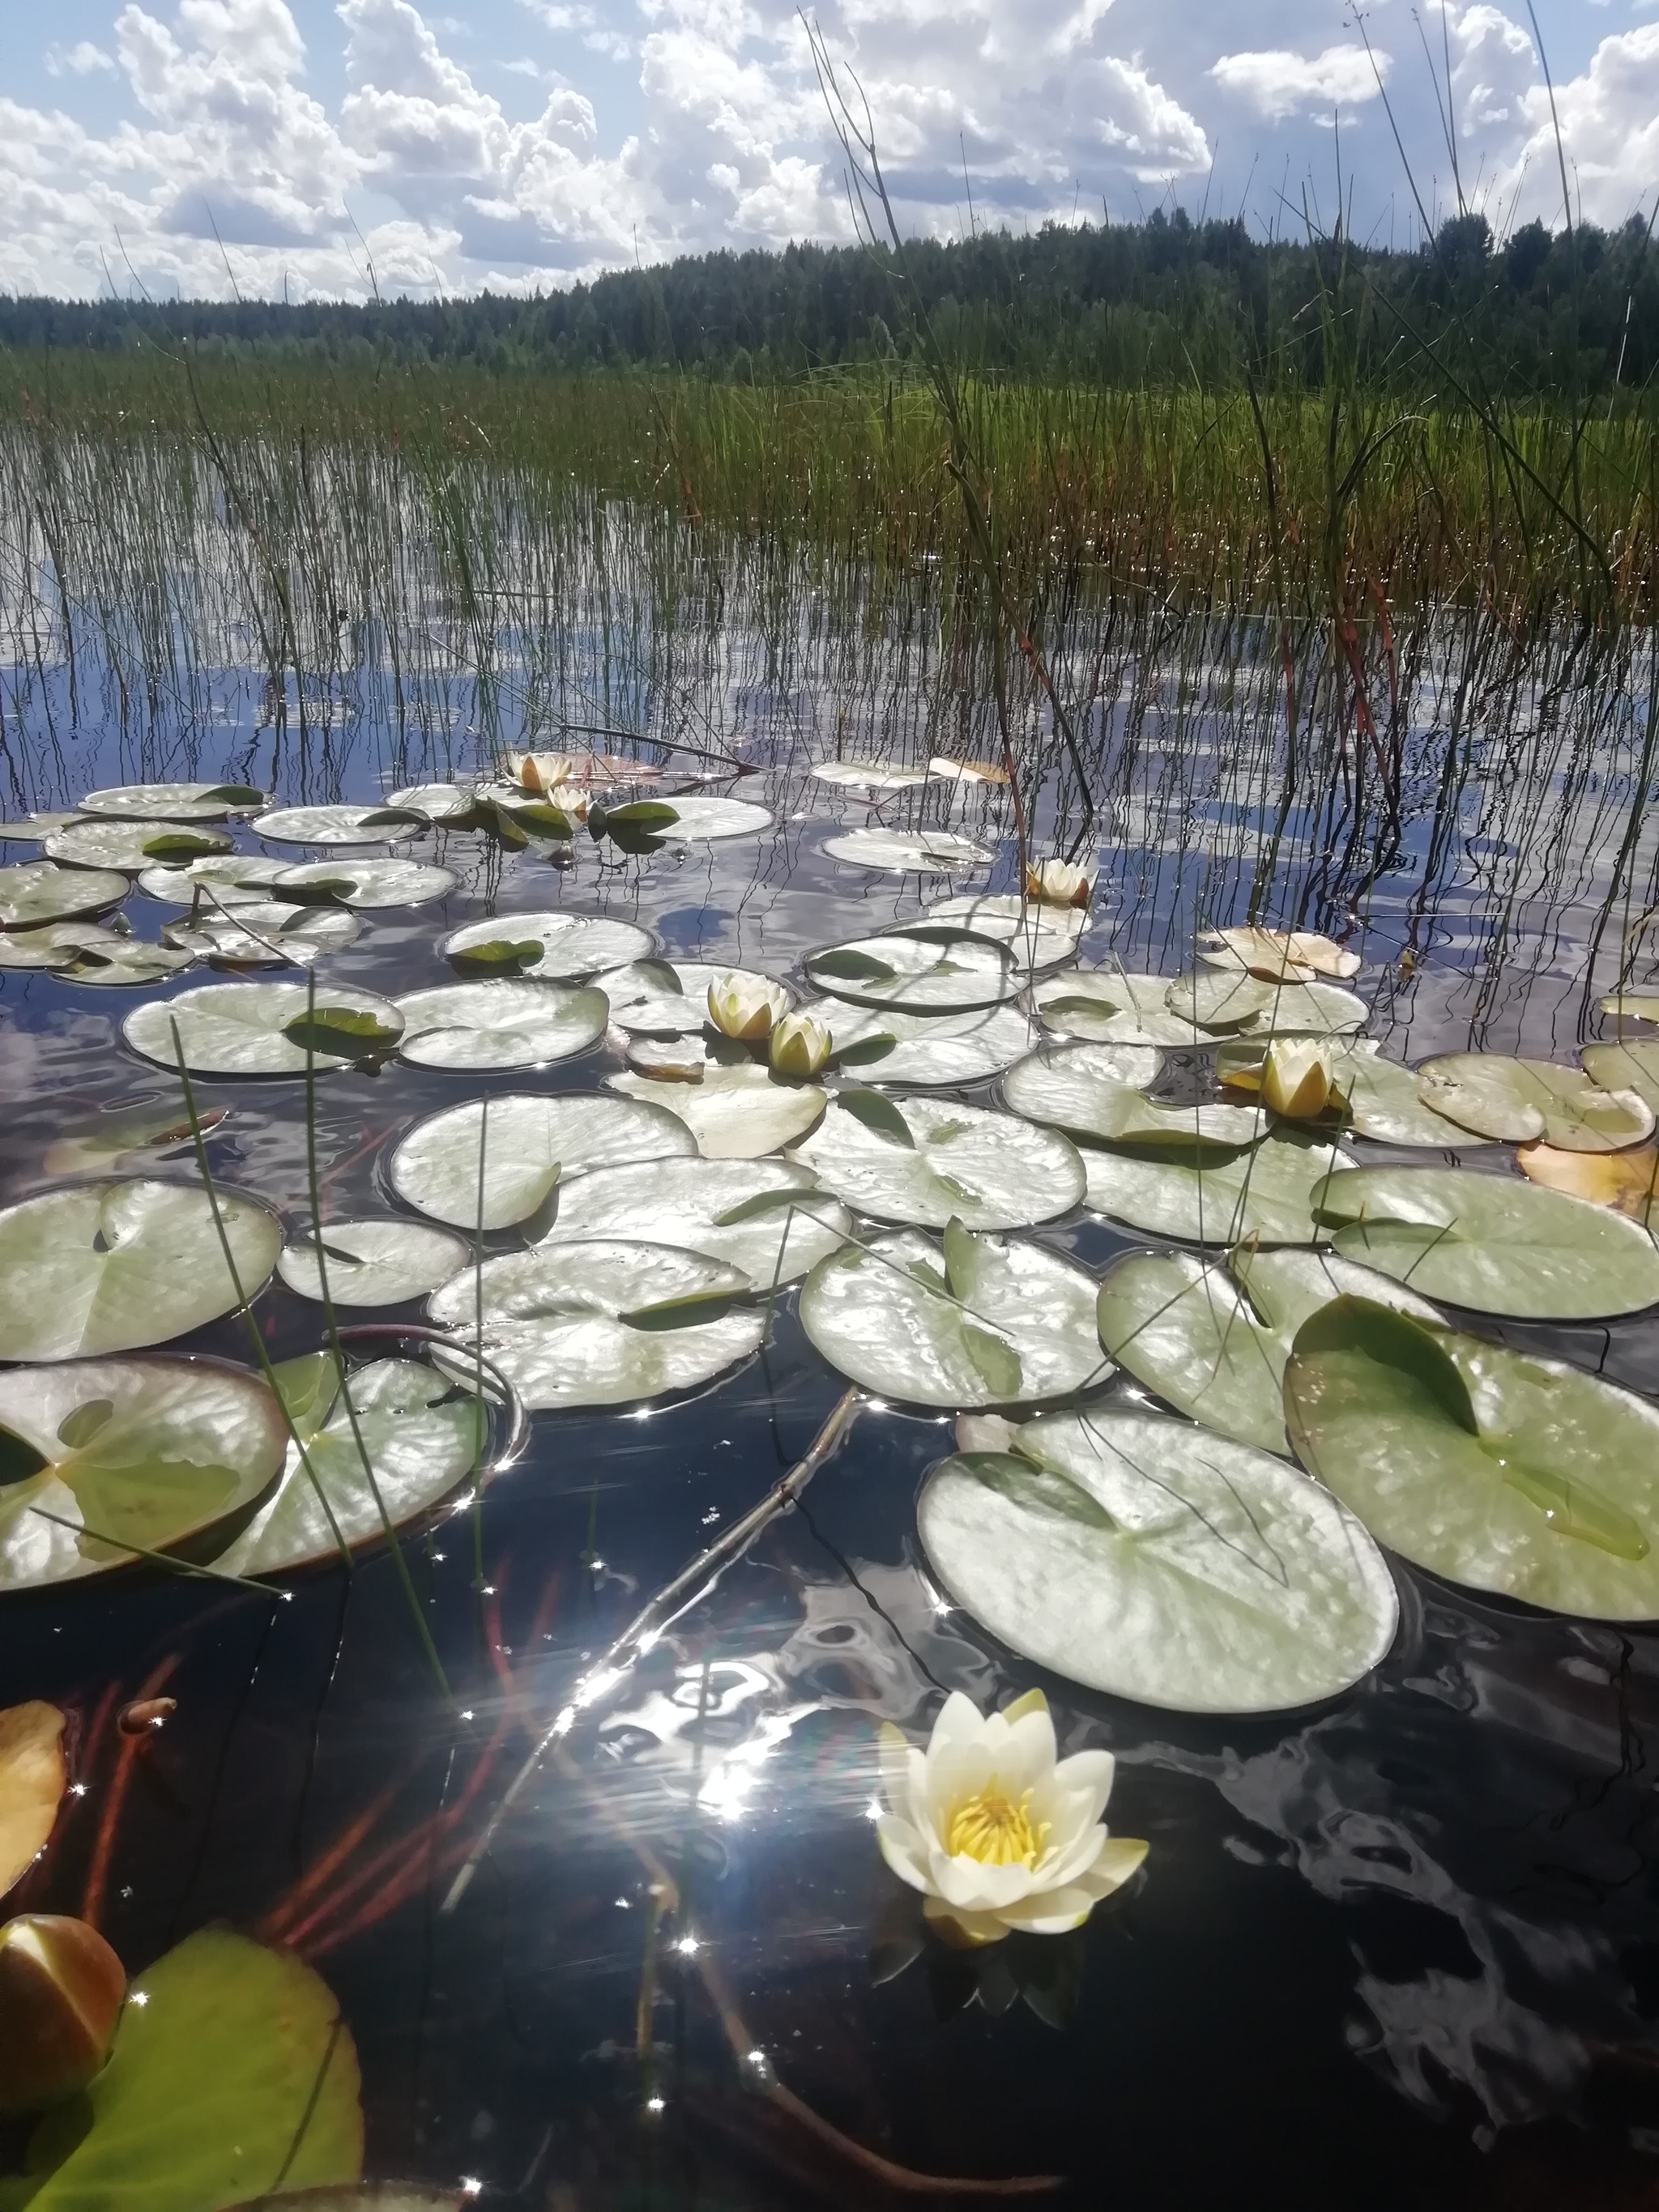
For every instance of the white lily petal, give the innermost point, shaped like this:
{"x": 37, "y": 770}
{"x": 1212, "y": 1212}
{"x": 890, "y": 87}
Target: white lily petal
{"x": 904, "y": 1850}
{"x": 1091, "y": 1772}
{"x": 959, "y": 1722}
{"x": 1056, "y": 1913}
{"x": 1069, "y": 1863}
{"x": 977, "y": 1886}
{"x": 1121, "y": 1857}
{"x": 975, "y": 1928}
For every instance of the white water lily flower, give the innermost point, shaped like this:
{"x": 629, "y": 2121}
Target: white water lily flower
{"x": 800, "y": 1046}
{"x": 1298, "y": 1080}
{"x": 542, "y": 773}
{"x": 746, "y": 1006}
{"x": 996, "y": 1831}
{"x": 1057, "y": 882}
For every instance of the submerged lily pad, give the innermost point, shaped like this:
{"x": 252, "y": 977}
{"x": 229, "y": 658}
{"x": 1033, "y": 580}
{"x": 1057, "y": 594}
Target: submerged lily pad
{"x": 233, "y": 2073}
{"x": 890, "y": 1046}
{"x": 1514, "y": 1101}
{"x": 986, "y": 1321}
{"x": 148, "y": 1452}
{"x": 1266, "y": 1192}
{"x": 669, "y": 997}
{"x": 604, "y": 1322}
{"x": 1098, "y": 1091}
{"x": 100, "y": 1268}
{"x": 371, "y": 1263}
{"x": 175, "y": 802}
{"x": 527, "y": 1144}
{"x": 1037, "y": 936}
{"x": 928, "y": 852}
{"x": 423, "y": 1437}
{"x": 1109, "y": 1006}
{"x": 558, "y": 947}
{"x": 509, "y": 1023}
{"x": 99, "y": 1143}
{"x": 260, "y": 933}
{"x": 766, "y": 1217}
{"x": 34, "y": 893}
{"x": 737, "y": 1113}
{"x": 1493, "y": 1467}
{"x": 339, "y": 825}
{"x": 1153, "y": 1560}
{"x": 218, "y": 879}
{"x": 990, "y": 1170}
{"x": 366, "y": 886}
{"x": 1493, "y": 1243}
{"x": 1625, "y": 1066}
{"x": 133, "y": 846}
{"x": 1213, "y": 1345}
{"x": 929, "y": 968}
{"x": 243, "y": 1029}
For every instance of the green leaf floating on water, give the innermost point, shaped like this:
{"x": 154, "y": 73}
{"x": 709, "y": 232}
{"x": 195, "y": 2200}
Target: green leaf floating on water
{"x": 566, "y": 948}
{"x": 1498, "y": 1469}
{"x": 922, "y": 969}
{"x": 1110, "y": 1005}
{"x": 877, "y": 1112}
{"x": 498, "y": 956}
{"x": 993, "y": 1169}
{"x": 373, "y": 1263}
{"x": 525, "y": 1145}
{"x": 1632, "y": 1065}
{"x": 343, "y": 1033}
{"x": 174, "y": 802}
{"x": 232, "y": 2075}
{"x": 735, "y": 1113}
{"x": 257, "y": 1028}
{"x": 34, "y": 891}
{"x": 1266, "y": 1192}
{"x": 1520, "y": 1101}
{"x": 1494, "y": 1243}
{"x": 102, "y": 1267}
{"x": 507, "y": 1022}
{"x": 149, "y": 1452}
{"x": 1097, "y": 1091}
{"x": 1148, "y": 1559}
{"x": 766, "y": 1217}
{"x": 851, "y": 966}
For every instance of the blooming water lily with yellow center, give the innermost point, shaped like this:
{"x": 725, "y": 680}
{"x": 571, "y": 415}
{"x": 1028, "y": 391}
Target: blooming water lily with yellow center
{"x": 995, "y": 1829}
{"x": 746, "y": 1006}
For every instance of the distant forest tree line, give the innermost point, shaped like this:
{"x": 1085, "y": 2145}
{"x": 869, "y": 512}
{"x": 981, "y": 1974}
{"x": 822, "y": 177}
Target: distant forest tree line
{"x": 1568, "y": 314}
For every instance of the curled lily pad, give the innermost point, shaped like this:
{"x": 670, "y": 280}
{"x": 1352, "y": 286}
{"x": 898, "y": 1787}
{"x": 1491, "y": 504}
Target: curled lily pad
{"x": 991, "y": 1171}
{"x": 669, "y": 997}
{"x": 985, "y": 1321}
{"x": 340, "y": 825}
{"x": 1266, "y": 1192}
{"x": 126, "y": 963}
{"x": 558, "y": 947}
{"x": 175, "y": 802}
{"x": 507, "y": 1023}
{"x": 1632, "y": 1006}
{"x": 1493, "y": 1243}
{"x": 927, "y": 851}
{"x": 1037, "y": 936}
{"x": 260, "y": 933}
{"x": 1380, "y": 1098}
{"x": 1110, "y": 1005}
{"x": 101, "y": 1267}
{"x": 134, "y": 846}
{"x": 247, "y": 1029}
{"x": 35, "y": 892}
{"x": 929, "y": 968}
{"x": 35, "y": 829}
{"x": 766, "y": 1217}
{"x": 146, "y": 1453}
{"x": 366, "y": 886}
{"x": 1628, "y": 1182}
{"x": 1212, "y": 1344}
{"x": 1153, "y": 1560}
{"x": 58, "y": 945}
{"x": 371, "y": 1263}
{"x": 1493, "y": 1467}
{"x": 218, "y": 879}
{"x": 33, "y": 1779}
{"x": 890, "y": 1046}
{"x": 1625, "y": 1066}
{"x": 527, "y": 1144}
{"x": 867, "y": 775}
{"x": 737, "y": 1113}
{"x": 1514, "y": 1101}
{"x": 604, "y": 1322}
{"x": 423, "y": 1437}
{"x": 1098, "y": 1091}
{"x": 1292, "y": 956}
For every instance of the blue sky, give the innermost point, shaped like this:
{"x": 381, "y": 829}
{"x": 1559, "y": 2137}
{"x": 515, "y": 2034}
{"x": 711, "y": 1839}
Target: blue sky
{"x": 521, "y": 143}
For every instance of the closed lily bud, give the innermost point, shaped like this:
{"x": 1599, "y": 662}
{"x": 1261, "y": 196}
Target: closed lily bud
{"x": 746, "y": 1006}
{"x": 1057, "y": 882}
{"x": 1298, "y": 1080}
{"x": 800, "y": 1046}
{"x": 61, "y": 1992}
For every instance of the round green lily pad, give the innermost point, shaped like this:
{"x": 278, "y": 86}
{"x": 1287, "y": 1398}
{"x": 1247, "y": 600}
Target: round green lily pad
{"x": 509, "y": 1022}
{"x": 1517, "y": 1100}
{"x": 1098, "y": 1091}
{"x": 175, "y": 802}
{"x": 261, "y": 934}
{"x": 885, "y": 1045}
{"x": 527, "y": 1144}
{"x": 928, "y": 968}
{"x": 556, "y": 946}
{"x": 365, "y": 885}
{"x": 133, "y": 846}
{"x": 766, "y": 1217}
{"x": 735, "y": 1113}
{"x": 1109, "y": 1006}
{"x": 337, "y": 825}
{"x": 382, "y": 1262}
{"x": 926, "y": 852}
{"x": 1266, "y": 1192}
{"x": 35, "y": 892}
{"x": 218, "y": 879}
{"x": 1039, "y": 937}
{"x": 925, "y": 1160}
{"x": 249, "y": 1029}
{"x": 1625, "y": 1066}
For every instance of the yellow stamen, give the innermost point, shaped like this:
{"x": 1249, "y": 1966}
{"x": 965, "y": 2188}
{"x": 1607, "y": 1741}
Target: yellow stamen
{"x": 992, "y": 1828}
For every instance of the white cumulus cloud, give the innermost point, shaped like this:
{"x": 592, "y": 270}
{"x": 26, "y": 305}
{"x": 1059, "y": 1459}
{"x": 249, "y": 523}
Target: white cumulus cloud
{"x": 1277, "y": 84}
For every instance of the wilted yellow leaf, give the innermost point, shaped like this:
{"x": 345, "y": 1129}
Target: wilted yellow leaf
{"x": 967, "y": 771}
{"x": 31, "y": 1783}
{"x": 1627, "y": 1181}
{"x": 1279, "y": 956}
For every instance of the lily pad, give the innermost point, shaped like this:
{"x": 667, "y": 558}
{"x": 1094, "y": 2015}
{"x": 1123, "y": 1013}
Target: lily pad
{"x": 989, "y": 1320}
{"x": 1625, "y": 1067}
{"x": 1098, "y": 1091}
{"x": 33, "y": 1779}
{"x": 371, "y": 1263}
{"x": 991, "y": 1171}
{"x": 1498, "y": 1469}
{"x": 528, "y": 1143}
{"x": 1514, "y": 1101}
{"x": 232, "y": 2072}
{"x": 1290, "y": 956}
{"x": 1300, "y": 1009}
{"x": 1153, "y": 1560}
{"x": 867, "y": 775}
{"x": 737, "y": 1113}
{"x": 1227, "y": 1002}
{"x": 766, "y": 1217}
{"x": 366, "y": 886}
{"x": 1383, "y": 1099}
{"x": 509, "y": 1023}
{"x": 1110, "y": 1005}
{"x": 147, "y": 1452}
{"x": 1632, "y": 1006}
{"x": 669, "y": 997}
{"x": 423, "y": 1438}
{"x": 1266, "y": 1192}
{"x": 1628, "y": 1182}
{"x": 1037, "y": 936}
{"x": 339, "y": 825}
{"x": 242, "y": 1029}
{"x": 261, "y": 934}
{"x": 1493, "y": 1243}
{"x": 126, "y": 963}
{"x": 133, "y": 846}
{"x": 33, "y": 829}
{"x": 175, "y": 802}
{"x": 34, "y": 893}
{"x": 926, "y": 852}
{"x": 58, "y": 945}
{"x": 441, "y": 803}
{"x": 558, "y": 947}
{"x": 932, "y": 969}
{"x": 100, "y": 1268}
{"x": 231, "y": 878}
{"x": 700, "y": 819}
{"x": 1213, "y": 1345}
{"x": 604, "y": 1322}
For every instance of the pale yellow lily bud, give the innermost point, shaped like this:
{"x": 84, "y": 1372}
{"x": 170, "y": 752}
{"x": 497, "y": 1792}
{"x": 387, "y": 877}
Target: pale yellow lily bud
{"x": 1298, "y": 1080}
{"x": 800, "y": 1046}
{"x": 746, "y": 1006}
{"x": 1057, "y": 882}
